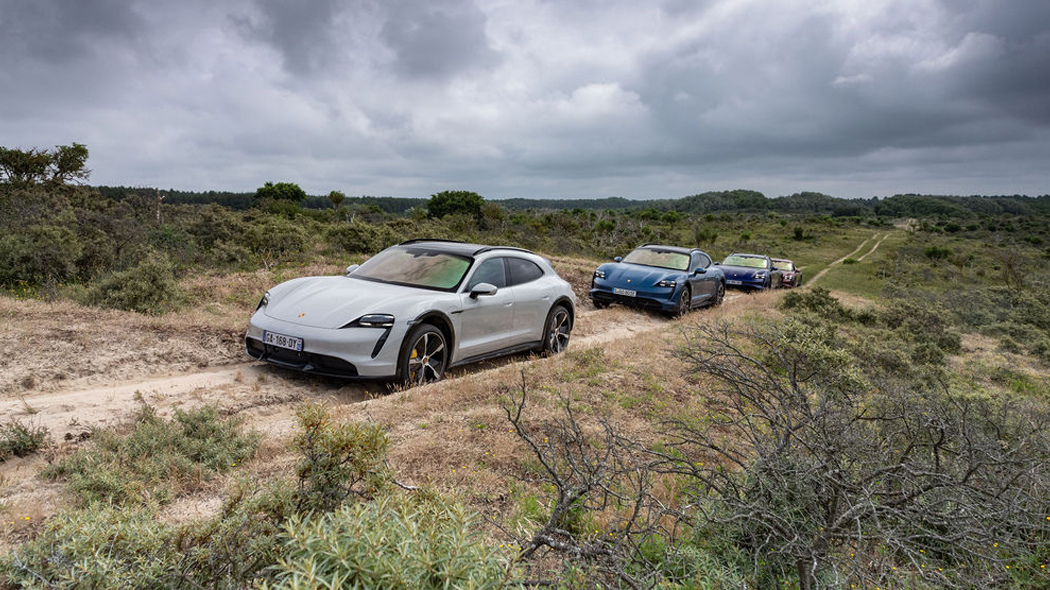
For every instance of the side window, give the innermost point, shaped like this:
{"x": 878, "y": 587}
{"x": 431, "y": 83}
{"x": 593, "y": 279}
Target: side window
{"x": 705, "y": 260}
{"x": 694, "y": 261}
{"x": 523, "y": 271}
{"x": 491, "y": 271}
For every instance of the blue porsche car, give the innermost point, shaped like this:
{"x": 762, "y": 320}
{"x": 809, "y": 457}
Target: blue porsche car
{"x": 667, "y": 278}
{"x": 751, "y": 271}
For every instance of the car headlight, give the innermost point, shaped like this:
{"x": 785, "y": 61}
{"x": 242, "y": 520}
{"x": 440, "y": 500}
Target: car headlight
{"x": 671, "y": 284}
{"x": 599, "y": 274}
{"x": 376, "y": 320}
{"x": 760, "y": 275}
{"x": 262, "y": 302}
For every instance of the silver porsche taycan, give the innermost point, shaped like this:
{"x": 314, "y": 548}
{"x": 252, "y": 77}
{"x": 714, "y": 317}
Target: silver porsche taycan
{"x": 413, "y": 310}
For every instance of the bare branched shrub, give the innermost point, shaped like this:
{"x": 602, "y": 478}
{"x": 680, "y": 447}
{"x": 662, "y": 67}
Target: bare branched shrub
{"x": 595, "y": 473}
{"x": 821, "y": 476}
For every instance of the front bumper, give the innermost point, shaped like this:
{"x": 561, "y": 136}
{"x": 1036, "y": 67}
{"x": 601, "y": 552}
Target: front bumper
{"x": 660, "y": 298}
{"x": 353, "y": 353}
{"x": 746, "y": 283}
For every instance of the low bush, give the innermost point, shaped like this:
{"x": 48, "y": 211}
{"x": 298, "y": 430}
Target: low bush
{"x": 818, "y": 301}
{"x": 39, "y": 253}
{"x": 158, "y": 459}
{"x": 394, "y": 542}
{"x": 339, "y": 460}
{"x": 20, "y": 439}
{"x": 937, "y": 253}
{"x": 149, "y": 287}
{"x": 924, "y": 324}
{"x": 100, "y": 546}
{"x": 361, "y": 238}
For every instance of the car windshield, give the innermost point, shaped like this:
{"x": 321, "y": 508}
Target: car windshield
{"x": 661, "y": 258}
{"x": 415, "y": 267}
{"x": 784, "y": 264}
{"x": 748, "y": 261}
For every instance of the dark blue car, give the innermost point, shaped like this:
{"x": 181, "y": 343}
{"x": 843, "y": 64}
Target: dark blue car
{"x": 667, "y": 278}
{"x": 750, "y": 271}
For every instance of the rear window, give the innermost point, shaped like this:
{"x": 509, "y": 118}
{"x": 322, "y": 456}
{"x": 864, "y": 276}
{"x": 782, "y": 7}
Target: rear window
{"x": 523, "y": 271}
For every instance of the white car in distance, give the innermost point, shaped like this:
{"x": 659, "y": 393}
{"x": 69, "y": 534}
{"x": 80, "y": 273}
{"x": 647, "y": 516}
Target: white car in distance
{"x": 414, "y": 310}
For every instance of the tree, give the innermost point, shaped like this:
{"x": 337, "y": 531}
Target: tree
{"x": 337, "y": 198}
{"x": 453, "y": 202}
{"x": 281, "y": 191}
{"x": 61, "y": 165}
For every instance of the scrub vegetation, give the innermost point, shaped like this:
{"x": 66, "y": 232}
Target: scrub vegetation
{"x": 887, "y": 425}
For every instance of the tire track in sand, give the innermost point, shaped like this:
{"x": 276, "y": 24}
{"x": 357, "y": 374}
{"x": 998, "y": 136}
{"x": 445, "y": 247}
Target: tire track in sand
{"x": 860, "y": 247}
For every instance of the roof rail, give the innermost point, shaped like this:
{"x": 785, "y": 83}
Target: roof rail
{"x": 416, "y": 240}
{"x": 489, "y": 248}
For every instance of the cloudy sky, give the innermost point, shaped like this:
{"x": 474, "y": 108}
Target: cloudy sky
{"x": 538, "y": 98}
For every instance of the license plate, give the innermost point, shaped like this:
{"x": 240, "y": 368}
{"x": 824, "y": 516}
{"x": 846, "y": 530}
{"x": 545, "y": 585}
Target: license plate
{"x": 282, "y": 341}
{"x": 625, "y": 292}
{"x": 734, "y": 282}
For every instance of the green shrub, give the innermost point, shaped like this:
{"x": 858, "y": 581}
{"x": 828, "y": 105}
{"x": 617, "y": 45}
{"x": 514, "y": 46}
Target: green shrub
{"x": 149, "y": 287}
{"x": 818, "y": 301}
{"x": 925, "y": 325}
{"x": 358, "y": 237}
{"x": 158, "y": 459}
{"x": 101, "y": 546}
{"x": 938, "y": 253}
{"x": 339, "y": 459}
{"x": 414, "y": 542}
{"x": 277, "y": 237}
{"x": 455, "y": 203}
{"x": 39, "y": 253}
{"x": 20, "y": 439}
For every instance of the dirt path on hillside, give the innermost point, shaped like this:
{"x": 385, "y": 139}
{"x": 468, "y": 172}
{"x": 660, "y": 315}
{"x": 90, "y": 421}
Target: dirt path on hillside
{"x": 878, "y": 240}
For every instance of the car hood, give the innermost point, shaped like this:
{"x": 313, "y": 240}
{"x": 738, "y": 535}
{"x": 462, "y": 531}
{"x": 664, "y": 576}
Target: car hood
{"x": 627, "y": 274}
{"x": 331, "y": 302}
{"x": 740, "y": 272}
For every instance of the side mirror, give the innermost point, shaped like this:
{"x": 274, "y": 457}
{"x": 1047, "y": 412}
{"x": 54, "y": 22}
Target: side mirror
{"x": 773, "y": 268}
{"x": 699, "y": 271}
{"x": 482, "y": 289}
{"x": 718, "y": 264}
{"x": 351, "y": 268}
{"x": 618, "y": 259}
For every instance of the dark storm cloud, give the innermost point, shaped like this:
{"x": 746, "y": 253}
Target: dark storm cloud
{"x": 438, "y": 39}
{"x": 771, "y": 83}
{"x": 305, "y": 34}
{"x": 57, "y": 30}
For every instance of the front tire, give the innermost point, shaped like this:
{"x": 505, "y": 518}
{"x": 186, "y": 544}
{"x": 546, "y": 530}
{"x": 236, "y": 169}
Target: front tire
{"x": 424, "y": 356}
{"x": 720, "y": 293}
{"x": 559, "y": 328}
{"x": 684, "y": 302}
